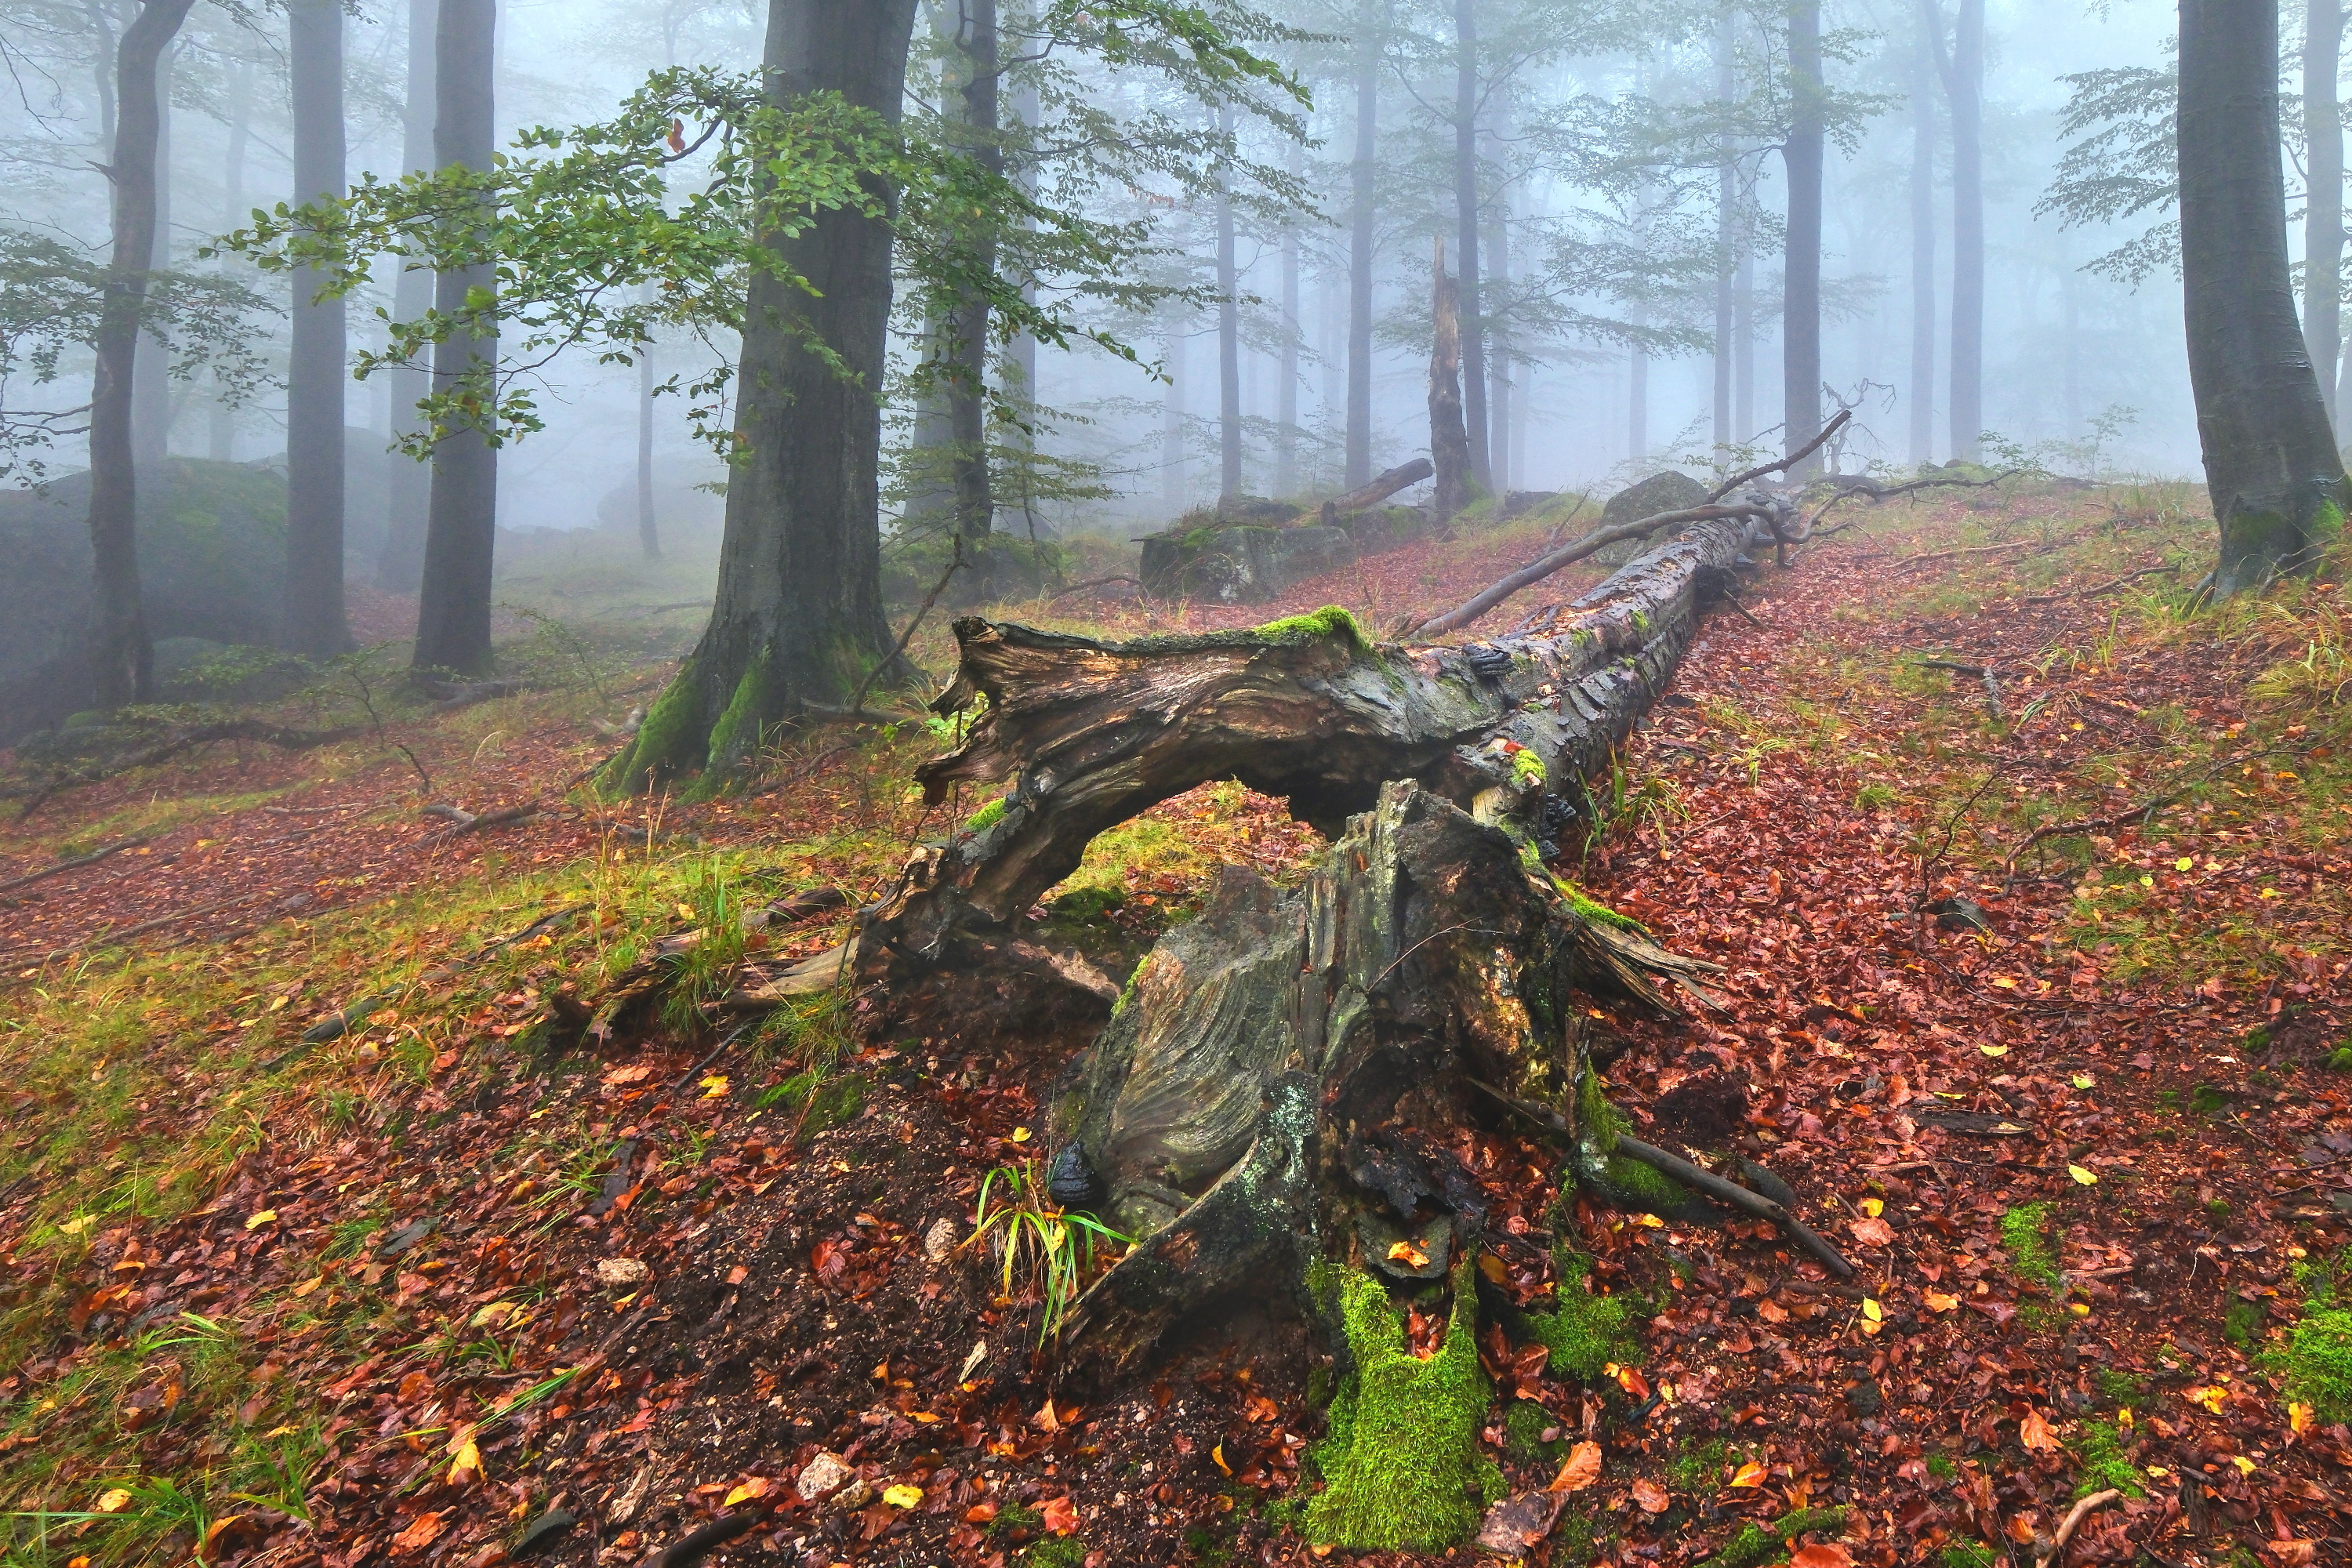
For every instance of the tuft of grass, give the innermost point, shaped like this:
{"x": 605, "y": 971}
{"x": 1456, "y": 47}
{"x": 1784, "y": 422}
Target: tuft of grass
{"x": 1053, "y": 1253}
{"x": 2024, "y": 1232}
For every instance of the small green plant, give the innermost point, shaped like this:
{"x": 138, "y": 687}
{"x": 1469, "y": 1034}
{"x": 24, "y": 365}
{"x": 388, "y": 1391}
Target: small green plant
{"x": 1968, "y": 1554}
{"x": 2207, "y": 1100}
{"x": 1699, "y": 1466}
{"x": 1584, "y": 1331}
{"x": 2315, "y": 1364}
{"x": 1056, "y": 1551}
{"x": 2217, "y": 1208}
{"x": 2340, "y": 1059}
{"x": 1033, "y": 1240}
{"x": 2241, "y": 1325}
{"x": 2120, "y": 1387}
{"x": 2106, "y": 1465}
{"x": 1874, "y": 797}
{"x": 1941, "y": 1467}
{"x": 2024, "y": 1232}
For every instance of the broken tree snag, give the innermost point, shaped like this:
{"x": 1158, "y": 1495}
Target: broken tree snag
{"x": 1082, "y": 735}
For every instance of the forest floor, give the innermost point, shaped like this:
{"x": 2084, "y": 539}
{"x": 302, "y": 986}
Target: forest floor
{"x": 424, "y": 1291}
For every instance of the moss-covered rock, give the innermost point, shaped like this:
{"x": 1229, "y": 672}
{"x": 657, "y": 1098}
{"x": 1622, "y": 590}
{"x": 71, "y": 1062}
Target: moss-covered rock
{"x": 1404, "y": 1468}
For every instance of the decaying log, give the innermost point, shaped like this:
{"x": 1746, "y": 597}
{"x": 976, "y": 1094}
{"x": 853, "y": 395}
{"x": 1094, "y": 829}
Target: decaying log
{"x": 1382, "y": 486}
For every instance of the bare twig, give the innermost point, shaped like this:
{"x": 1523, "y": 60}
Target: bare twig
{"x": 76, "y": 864}
{"x": 1837, "y": 422}
{"x": 1730, "y": 1192}
{"x": 2082, "y": 1511}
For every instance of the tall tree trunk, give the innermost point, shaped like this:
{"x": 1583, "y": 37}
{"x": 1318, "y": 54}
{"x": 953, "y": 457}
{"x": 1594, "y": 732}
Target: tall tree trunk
{"x": 2271, "y": 465}
{"x": 1922, "y": 399}
{"x": 648, "y": 527}
{"x": 1023, "y": 354}
{"x": 798, "y": 623}
{"x": 2322, "y": 215}
{"x": 1637, "y": 405}
{"x": 1496, "y": 254}
{"x": 151, "y": 378}
{"x": 1449, "y": 439}
{"x": 967, "y": 374}
{"x": 1963, "y": 70}
{"x": 453, "y": 618}
{"x": 1285, "y": 399}
{"x": 1727, "y": 235}
{"x": 1465, "y": 235}
{"x": 408, "y": 484}
{"x": 1743, "y": 345}
{"x": 1801, "y": 313}
{"x": 316, "y": 379}
{"x": 221, "y": 435}
{"x": 121, "y": 659}
{"x": 1229, "y": 335}
{"x": 1175, "y": 337}
{"x": 1361, "y": 181}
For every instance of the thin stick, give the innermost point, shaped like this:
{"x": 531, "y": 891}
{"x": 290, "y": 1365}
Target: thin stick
{"x": 857, "y": 699}
{"x": 76, "y": 864}
{"x": 1837, "y": 422}
{"x": 2082, "y": 1511}
{"x": 1737, "y": 1197}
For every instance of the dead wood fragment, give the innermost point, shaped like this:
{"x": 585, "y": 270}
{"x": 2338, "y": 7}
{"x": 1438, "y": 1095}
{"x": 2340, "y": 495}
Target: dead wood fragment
{"x": 2082, "y": 1511}
{"x": 1382, "y": 486}
{"x": 462, "y": 821}
{"x": 77, "y": 863}
{"x": 1732, "y": 1192}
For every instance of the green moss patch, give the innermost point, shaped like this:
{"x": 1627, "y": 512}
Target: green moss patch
{"x": 988, "y": 815}
{"x": 668, "y": 741}
{"x": 1584, "y": 1332}
{"x": 1330, "y": 621}
{"x": 1403, "y": 1459}
{"x": 1757, "y": 1544}
{"x": 2105, "y": 1465}
{"x": 2024, "y": 1231}
{"x": 2315, "y": 1364}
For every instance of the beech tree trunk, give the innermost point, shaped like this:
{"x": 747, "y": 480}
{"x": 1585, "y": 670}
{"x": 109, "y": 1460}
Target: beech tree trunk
{"x": 1727, "y": 234}
{"x": 1964, "y": 88}
{"x": 1800, "y": 318}
{"x": 2323, "y": 214}
{"x": 151, "y": 384}
{"x": 1450, "y": 451}
{"x": 453, "y": 617}
{"x": 409, "y": 487}
{"x": 967, "y": 389}
{"x": 1361, "y": 240}
{"x": 1922, "y": 398}
{"x": 313, "y": 623}
{"x": 121, "y": 659}
{"x": 221, "y": 437}
{"x": 1465, "y": 235}
{"x": 2276, "y": 483}
{"x": 798, "y": 624}
{"x": 1229, "y": 336}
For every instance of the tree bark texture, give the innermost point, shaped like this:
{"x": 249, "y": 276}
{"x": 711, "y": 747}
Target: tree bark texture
{"x": 798, "y": 622}
{"x": 1727, "y": 235}
{"x": 1963, "y": 69}
{"x": 1465, "y": 237}
{"x": 2276, "y": 483}
{"x": 453, "y": 617}
{"x": 408, "y": 488}
{"x": 1801, "y": 323}
{"x": 121, "y": 660}
{"x": 1496, "y": 258}
{"x": 1175, "y": 335}
{"x": 648, "y": 527}
{"x": 2322, "y": 215}
{"x": 1229, "y": 336}
{"x": 967, "y": 389}
{"x": 1922, "y": 397}
{"x": 221, "y": 438}
{"x": 1361, "y": 237}
{"x": 1450, "y": 452}
{"x": 1285, "y": 396}
{"x": 316, "y": 380}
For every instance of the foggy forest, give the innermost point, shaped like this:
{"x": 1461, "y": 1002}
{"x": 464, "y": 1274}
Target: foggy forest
{"x": 1162, "y": 783}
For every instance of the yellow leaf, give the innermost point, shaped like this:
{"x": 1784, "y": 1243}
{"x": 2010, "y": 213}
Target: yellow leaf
{"x": 685, "y": 911}
{"x": 1494, "y": 1267}
{"x": 1940, "y": 1302}
{"x": 2148, "y": 881}
{"x": 276, "y": 1002}
{"x": 2083, "y": 1177}
{"x": 2185, "y": 863}
{"x": 1994, "y": 1050}
{"x": 308, "y": 1286}
{"x": 1874, "y": 1207}
{"x": 1751, "y": 1474}
{"x": 496, "y": 1312}
{"x": 1218, "y": 1453}
{"x": 2085, "y": 1080}
{"x": 1872, "y": 1309}
{"x": 1411, "y": 1255}
{"x": 114, "y": 1500}
{"x": 466, "y": 1468}
{"x": 255, "y": 1222}
{"x": 924, "y": 1416}
{"x": 2245, "y": 1466}
{"x": 1021, "y": 1135}
{"x": 714, "y": 1087}
{"x": 2211, "y": 1398}
{"x": 902, "y": 1495}
{"x": 2004, "y": 982}
{"x": 2298, "y": 1418}
{"x": 76, "y": 1226}
{"x": 757, "y": 1487}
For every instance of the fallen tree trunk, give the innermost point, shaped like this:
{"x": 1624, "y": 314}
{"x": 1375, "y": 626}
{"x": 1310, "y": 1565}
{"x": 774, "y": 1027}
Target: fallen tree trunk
{"x": 1274, "y": 1104}
{"x": 1382, "y": 486}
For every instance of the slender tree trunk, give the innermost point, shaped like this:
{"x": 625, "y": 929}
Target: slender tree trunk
{"x": 103, "y": 64}
{"x": 1496, "y": 253}
{"x": 121, "y": 660}
{"x": 648, "y": 527}
{"x": 968, "y": 377}
{"x": 2070, "y": 294}
{"x": 1637, "y": 405}
{"x": 453, "y": 620}
{"x": 1285, "y": 399}
{"x": 1922, "y": 398}
{"x": 1466, "y": 234}
{"x": 1176, "y": 333}
{"x": 798, "y": 623}
{"x": 1743, "y": 345}
{"x": 1371, "y": 20}
{"x": 1449, "y": 439}
{"x": 316, "y": 380}
{"x": 2323, "y": 216}
{"x": 1801, "y": 315}
{"x": 408, "y": 485}
{"x": 1964, "y": 88}
{"x": 1023, "y": 354}
{"x": 1726, "y": 236}
{"x": 221, "y": 442}
{"x": 1229, "y": 336}
{"x": 151, "y": 379}
{"x": 2271, "y": 465}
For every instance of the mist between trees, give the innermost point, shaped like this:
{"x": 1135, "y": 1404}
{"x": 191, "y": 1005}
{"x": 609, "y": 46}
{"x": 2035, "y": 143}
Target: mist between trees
{"x": 795, "y": 294}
